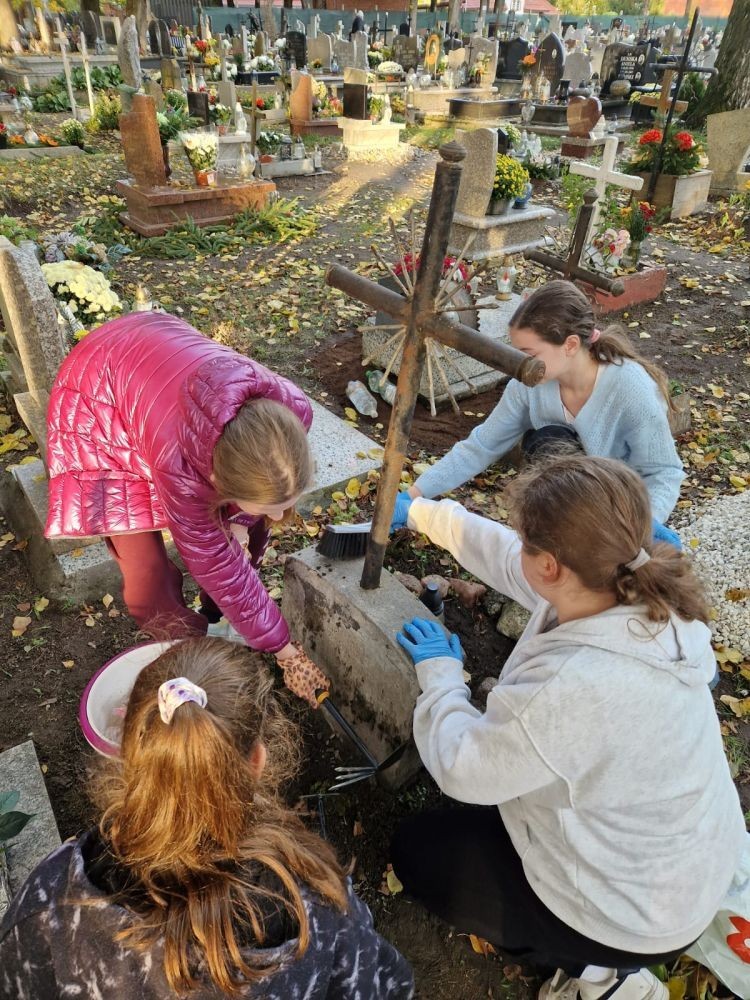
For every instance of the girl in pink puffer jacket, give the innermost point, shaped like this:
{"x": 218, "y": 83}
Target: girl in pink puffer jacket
{"x": 151, "y": 425}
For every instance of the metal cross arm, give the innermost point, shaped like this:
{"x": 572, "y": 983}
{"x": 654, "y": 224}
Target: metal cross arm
{"x": 422, "y": 313}
{"x": 570, "y": 267}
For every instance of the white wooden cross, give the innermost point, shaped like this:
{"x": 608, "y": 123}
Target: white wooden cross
{"x": 63, "y": 43}
{"x": 604, "y": 175}
{"x": 86, "y": 71}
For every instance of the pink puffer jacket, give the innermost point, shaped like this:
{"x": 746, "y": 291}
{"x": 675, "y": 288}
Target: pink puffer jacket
{"x": 135, "y": 412}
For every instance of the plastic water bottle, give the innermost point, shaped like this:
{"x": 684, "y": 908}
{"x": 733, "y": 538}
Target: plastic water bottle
{"x": 361, "y": 399}
{"x": 386, "y": 390}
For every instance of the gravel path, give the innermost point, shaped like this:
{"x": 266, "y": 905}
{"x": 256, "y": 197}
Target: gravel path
{"x": 719, "y": 537}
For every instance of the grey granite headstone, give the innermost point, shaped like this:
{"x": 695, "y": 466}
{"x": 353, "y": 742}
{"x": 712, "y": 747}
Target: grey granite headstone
{"x": 550, "y": 59}
{"x": 405, "y": 51}
{"x": 361, "y": 45}
{"x": 170, "y": 74}
{"x": 728, "y": 148}
{"x": 19, "y": 771}
{"x": 128, "y": 56}
{"x": 481, "y": 48}
{"x": 320, "y": 49}
{"x": 343, "y": 53}
{"x": 478, "y": 173}
{"x": 153, "y": 89}
{"x": 577, "y": 69}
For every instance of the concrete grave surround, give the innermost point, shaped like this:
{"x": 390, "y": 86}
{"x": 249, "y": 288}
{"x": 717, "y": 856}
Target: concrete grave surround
{"x": 351, "y": 634}
{"x": 128, "y": 56}
{"x": 497, "y": 235}
{"x": 478, "y": 174}
{"x": 728, "y": 149}
{"x": 20, "y": 771}
{"x": 682, "y": 195}
{"x": 364, "y": 136}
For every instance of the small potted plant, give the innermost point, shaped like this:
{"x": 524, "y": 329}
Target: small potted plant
{"x": 681, "y": 186}
{"x": 221, "y": 116}
{"x": 73, "y": 132}
{"x": 202, "y": 151}
{"x": 511, "y": 179}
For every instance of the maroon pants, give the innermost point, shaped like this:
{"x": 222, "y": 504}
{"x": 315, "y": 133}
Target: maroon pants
{"x": 152, "y": 587}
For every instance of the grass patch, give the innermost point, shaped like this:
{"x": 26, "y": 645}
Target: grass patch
{"x": 429, "y": 136}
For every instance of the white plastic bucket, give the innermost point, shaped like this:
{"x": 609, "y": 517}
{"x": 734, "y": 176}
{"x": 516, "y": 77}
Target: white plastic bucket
{"x": 103, "y": 703}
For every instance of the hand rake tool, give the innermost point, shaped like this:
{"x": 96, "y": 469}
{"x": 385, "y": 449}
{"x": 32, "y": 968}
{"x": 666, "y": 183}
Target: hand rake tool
{"x": 353, "y": 775}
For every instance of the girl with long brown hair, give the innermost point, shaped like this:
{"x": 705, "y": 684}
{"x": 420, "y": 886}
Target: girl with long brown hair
{"x": 604, "y": 828}
{"x": 598, "y": 394}
{"x": 198, "y": 880}
{"x": 151, "y": 426}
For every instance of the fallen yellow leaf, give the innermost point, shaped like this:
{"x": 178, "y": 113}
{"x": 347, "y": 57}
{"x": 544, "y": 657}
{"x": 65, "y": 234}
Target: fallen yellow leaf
{"x": 40, "y": 605}
{"x": 107, "y": 600}
{"x": 481, "y": 946}
{"x": 68, "y": 664}
{"x": 352, "y": 489}
{"x": 393, "y": 882}
{"x": 20, "y": 624}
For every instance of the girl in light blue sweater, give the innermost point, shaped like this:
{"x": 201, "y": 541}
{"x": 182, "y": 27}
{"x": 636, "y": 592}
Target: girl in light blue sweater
{"x": 597, "y": 392}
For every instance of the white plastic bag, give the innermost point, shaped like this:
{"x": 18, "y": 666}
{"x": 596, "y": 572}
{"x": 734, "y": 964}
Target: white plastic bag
{"x": 724, "y": 947}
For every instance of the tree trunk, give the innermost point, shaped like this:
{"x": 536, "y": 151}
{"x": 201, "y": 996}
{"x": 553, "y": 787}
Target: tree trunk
{"x": 729, "y": 90}
{"x": 141, "y": 10}
{"x": 413, "y": 8}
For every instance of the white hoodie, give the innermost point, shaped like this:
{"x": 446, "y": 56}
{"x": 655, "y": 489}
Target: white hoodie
{"x": 601, "y": 747}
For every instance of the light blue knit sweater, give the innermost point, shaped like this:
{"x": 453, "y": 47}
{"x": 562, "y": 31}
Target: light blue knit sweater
{"x": 625, "y": 417}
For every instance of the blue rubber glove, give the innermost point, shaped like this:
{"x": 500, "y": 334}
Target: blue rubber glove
{"x": 662, "y": 533}
{"x": 424, "y": 639}
{"x": 401, "y": 512}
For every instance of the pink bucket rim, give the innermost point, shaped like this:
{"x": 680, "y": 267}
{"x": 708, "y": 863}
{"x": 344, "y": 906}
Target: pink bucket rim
{"x": 92, "y": 737}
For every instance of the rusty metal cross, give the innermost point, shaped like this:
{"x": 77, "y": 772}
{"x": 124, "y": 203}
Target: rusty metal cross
{"x": 422, "y": 316}
{"x": 570, "y": 267}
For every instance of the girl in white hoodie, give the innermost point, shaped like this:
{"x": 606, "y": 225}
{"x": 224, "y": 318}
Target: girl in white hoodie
{"x": 617, "y": 828}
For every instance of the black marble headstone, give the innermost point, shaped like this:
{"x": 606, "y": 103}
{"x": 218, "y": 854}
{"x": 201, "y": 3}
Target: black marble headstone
{"x": 636, "y": 65}
{"x": 550, "y": 60}
{"x": 153, "y": 38}
{"x": 165, "y": 40}
{"x": 110, "y": 35}
{"x": 503, "y": 141}
{"x": 296, "y": 48}
{"x": 611, "y": 63}
{"x": 198, "y": 105}
{"x": 89, "y": 27}
{"x": 510, "y": 56}
{"x": 355, "y": 101}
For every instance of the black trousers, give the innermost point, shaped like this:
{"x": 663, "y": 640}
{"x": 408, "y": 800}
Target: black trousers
{"x": 461, "y": 865}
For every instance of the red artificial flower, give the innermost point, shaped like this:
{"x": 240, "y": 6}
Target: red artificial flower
{"x": 647, "y": 211}
{"x": 260, "y": 103}
{"x": 684, "y": 141}
{"x": 12, "y": 91}
{"x": 2, "y": 128}
{"x": 201, "y": 45}
{"x": 447, "y": 265}
{"x": 653, "y": 135}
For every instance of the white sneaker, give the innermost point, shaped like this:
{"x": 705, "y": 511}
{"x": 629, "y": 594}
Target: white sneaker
{"x": 641, "y": 985}
{"x": 560, "y": 987}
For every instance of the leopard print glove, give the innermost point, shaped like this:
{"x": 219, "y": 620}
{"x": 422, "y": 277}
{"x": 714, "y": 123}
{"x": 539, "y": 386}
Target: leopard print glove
{"x": 302, "y": 677}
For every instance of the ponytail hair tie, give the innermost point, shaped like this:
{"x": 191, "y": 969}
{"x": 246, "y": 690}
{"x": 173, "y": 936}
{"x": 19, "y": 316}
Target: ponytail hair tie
{"x": 176, "y": 692}
{"x": 595, "y": 335}
{"x": 640, "y": 560}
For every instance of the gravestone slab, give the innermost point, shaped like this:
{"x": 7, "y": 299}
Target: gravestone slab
{"x": 728, "y": 149}
{"x": 343, "y": 53}
{"x": 355, "y": 94}
{"x": 361, "y": 44}
{"x": 227, "y": 93}
{"x": 478, "y": 175}
{"x": 484, "y": 50}
{"x": 320, "y": 49}
{"x": 171, "y": 78}
{"x": 154, "y": 90}
{"x": 457, "y": 58}
{"x": 510, "y": 55}
{"x": 128, "y": 56}
{"x": 20, "y": 771}
{"x": 110, "y": 29}
{"x": 405, "y": 51}
{"x": 153, "y": 38}
{"x": 550, "y": 60}
{"x": 296, "y": 47}
{"x": 141, "y": 143}
{"x": 577, "y": 69}
{"x": 611, "y": 63}
{"x": 636, "y": 66}
{"x": 337, "y": 451}
{"x": 198, "y": 105}
{"x": 165, "y": 40}
{"x": 583, "y": 113}
{"x": 89, "y": 27}
{"x": 300, "y": 99}
{"x": 498, "y": 235}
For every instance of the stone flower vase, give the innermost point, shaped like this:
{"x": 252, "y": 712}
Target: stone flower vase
{"x": 683, "y": 194}
{"x": 499, "y": 206}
